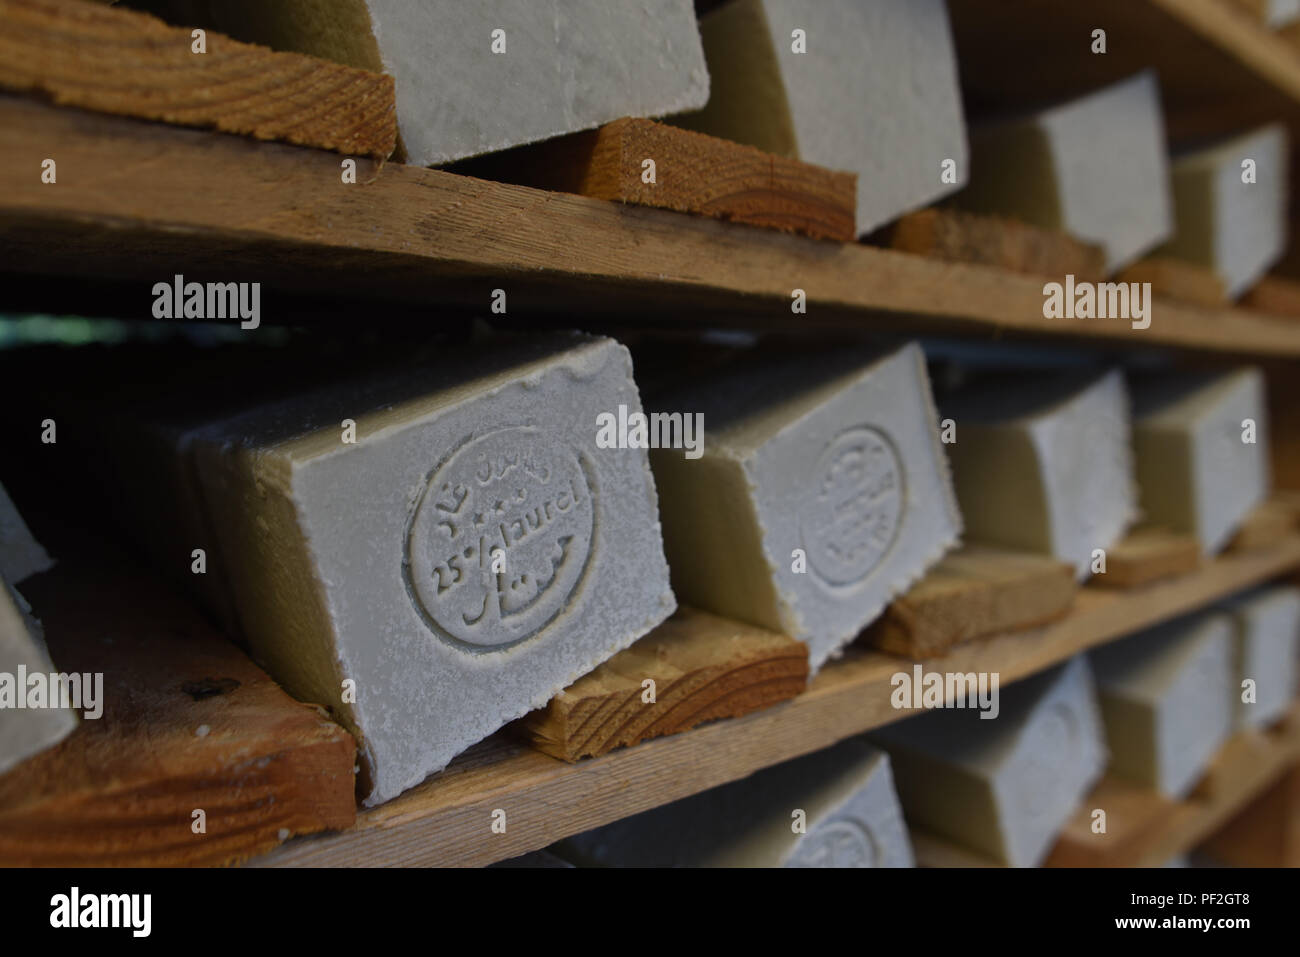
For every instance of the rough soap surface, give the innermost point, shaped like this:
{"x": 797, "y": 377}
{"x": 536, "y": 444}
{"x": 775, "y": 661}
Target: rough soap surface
{"x": 26, "y": 731}
{"x": 1266, "y": 643}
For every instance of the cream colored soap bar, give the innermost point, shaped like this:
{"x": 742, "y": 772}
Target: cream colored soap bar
{"x": 1201, "y": 445}
{"x": 822, "y": 493}
{"x": 1266, "y": 641}
{"x": 835, "y": 808}
{"x": 1003, "y": 786}
{"x": 1230, "y": 204}
{"x": 435, "y": 554}
{"x": 1166, "y": 701}
{"x": 1095, "y": 167}
{"x": 25, "y": 730}
{"x": 868, "y": 86}
{"x": 1043, "y": 463}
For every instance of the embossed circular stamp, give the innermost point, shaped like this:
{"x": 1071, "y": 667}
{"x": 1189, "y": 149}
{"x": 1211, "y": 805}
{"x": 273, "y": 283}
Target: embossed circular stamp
{"x": 851, "y": 516}
{"x": 836, "y": 844}
{"x": 501, "y": 537}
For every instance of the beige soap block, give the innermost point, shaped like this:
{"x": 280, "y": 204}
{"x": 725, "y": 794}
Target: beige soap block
{"x": 1266, "y": 642}
{"x": 1200, "y": 441}
{"x": 835, "y": 808}
{"x": 1043, "y": 463}
{"x": 1002, "y": 786}
{"x": 435, "y": 554}
{"x": 868, "y": 86}
{"x": 822, "y": 492}
{"x": 1095, "y": 167}
{"x": 1166, "y": 701}
{"x": 1230, "y": 204}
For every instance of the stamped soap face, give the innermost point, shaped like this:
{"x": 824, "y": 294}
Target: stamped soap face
{"x": 501, "y": 539}
{"x": 840, "y": 843}
{"x": 852, "y": 519}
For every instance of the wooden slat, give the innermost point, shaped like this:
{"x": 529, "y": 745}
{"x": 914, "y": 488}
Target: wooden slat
{"x": 702, "y": 667}
{"x": 121, "y": 61}
{"x": 1147, "y": 555}
{"x": 447, "y": 820}
{"x": 693, "y": 173}
{"x": 971, "y": 593}
{"x": 188, "y": 723}
{"x": 959, "y": 236}
{"x": 1266, "y": 525}
{"x": 1175, "y": 279}
{"x": 1275, "y": 296}
{"x": 140, "y": 201}
{"x": 1266, "y": 833}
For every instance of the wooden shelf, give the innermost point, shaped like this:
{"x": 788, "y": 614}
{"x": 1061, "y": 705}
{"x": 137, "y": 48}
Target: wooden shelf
{"x": 142, "y": 201}
{"x": 1145, "y": 829}
{"x": 447, "y": 820}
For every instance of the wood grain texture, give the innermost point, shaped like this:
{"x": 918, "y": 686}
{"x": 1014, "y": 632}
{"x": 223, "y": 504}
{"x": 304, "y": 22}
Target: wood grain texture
{"x": 189, "y": 722}
{"x": 693, "y": 173}
{"x": 121, "y": 61}
{"x": 447, "y": 820}
{"x": 1147, "y": 555}
{"x": 972, "y": 593}
{"x": 703, "y": 667}
{"x": 1144, "y": 829}
{"x": 140, "y": 201}
{"x": 1175, "y": 279}
{"x": 959, "y": 236}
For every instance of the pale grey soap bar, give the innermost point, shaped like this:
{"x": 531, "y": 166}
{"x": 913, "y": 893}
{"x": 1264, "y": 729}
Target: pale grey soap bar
{"x": 25, "y": 731}
{"x": 21, "y": 555}
{"x": 874, "y": 91}
{"x": 1166, "y": 700}
{"x": 1266, "y": 641}
{"x": 1095, "y": 167}
{"x": 470, "y": 555}
{"x": 1235, "y": 228}
{"x": 1043, "y": 462}
{"x": 835, "y": 808}
{"x": 568, "y": 65}
{"x": 1196, "y": 471}
{"x": 822, "y": 492}
{"x": 1003, "y": 786}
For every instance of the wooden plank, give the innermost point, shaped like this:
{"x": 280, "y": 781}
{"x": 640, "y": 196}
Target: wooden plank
{"x": 1266, "y": 833}
{"x": 1275, "y": 296}
{"x": 129, "y": 63}
{"x": 1148, "y": 554}
{"x": 1144, "y": 829}
{"x": 703, "y": 668}
{"x": 971, "y": 593}
{"x": 693, "y": 173}
{"x": 959, "y": 236}
{"x": 189, "y": 722}
{"x": 1174, "y": 279}
{"x": 1267, "y": 525}
{"x": 137, "y": 200}
{"x": 447, "y": 820}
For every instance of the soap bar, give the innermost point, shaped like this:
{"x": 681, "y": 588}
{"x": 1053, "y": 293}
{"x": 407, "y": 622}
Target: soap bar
{"x": 867, "y": 86}
{"x": 469, "y": 555}
{"x": 476, "y": 77}
{"x": 1166, "y": 700}
{"x": 1043, "y": 463}
{"x": 1196, "y": 472}
{"x": 821, "y": 494}
{"x": 1266, "y": 642}
{"x": 1005, "y": 786}
{"x": 1236, "y": 229}
{"x": 21, "y": 555}
{"x": 25, "y": 730}
{"x": 1094, "y": 167}
{"x": 850, "y": 818}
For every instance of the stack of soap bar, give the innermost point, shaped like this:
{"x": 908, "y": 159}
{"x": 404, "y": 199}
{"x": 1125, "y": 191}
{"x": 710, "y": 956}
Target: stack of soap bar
{"x": 1095, "y": 168}
{"x": 476, "y": 77}
{"x": 1005, "y": 786}
{"x": 1237, "y": 229}
{"x": 469, "y": 555}
{"x": 1043, "y": 463}
{"x": 1266, "y": 643}
{"x": 24, "y": 731}
{"x": 1166, "y": 700}
{"x": 1196, "y": 471}
{"x": 822, "y": 492}
{"x": 850, "y": 818}
{"x": 868, "y": 86}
